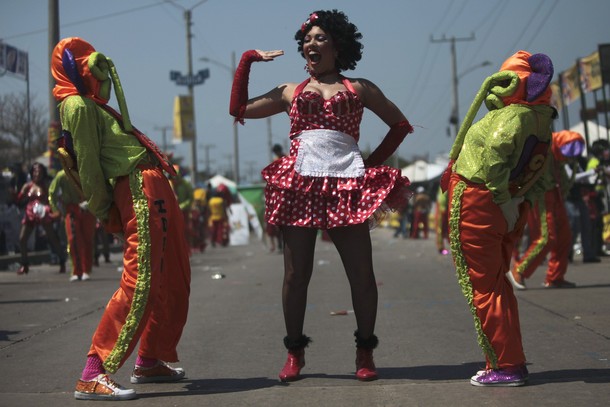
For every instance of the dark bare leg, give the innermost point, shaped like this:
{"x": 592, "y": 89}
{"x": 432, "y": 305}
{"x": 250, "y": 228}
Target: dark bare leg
{"x": 355, "y": 249}
{"x": 299, "y": 245}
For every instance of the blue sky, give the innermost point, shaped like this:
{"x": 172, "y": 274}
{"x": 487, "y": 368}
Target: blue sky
{"x": 146, "y": 40}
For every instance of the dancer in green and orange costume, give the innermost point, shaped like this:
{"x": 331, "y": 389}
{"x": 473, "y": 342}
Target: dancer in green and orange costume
{"x": 66, "y": 198}
{"x": 120, "y": 172}
{"x": 548, "y": 223}
{"x": 494, "y": 176}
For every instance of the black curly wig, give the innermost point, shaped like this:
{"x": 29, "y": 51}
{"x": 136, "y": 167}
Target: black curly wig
{"x": 43, "y": 170}
{"x": 345, "y": 36}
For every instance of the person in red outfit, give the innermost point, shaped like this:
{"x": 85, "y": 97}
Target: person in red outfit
{"x": 323, "y": 182}
{"x": 421, "y": 213}
{"x": 547, "y": 221}
{"x": 35, "y": 195}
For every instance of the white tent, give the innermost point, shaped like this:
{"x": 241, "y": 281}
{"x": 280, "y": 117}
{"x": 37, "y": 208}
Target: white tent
{"x": 219, "y": 179}
{"x": 596, "y": 131}
{"x": 421, "y": 171}
{"x": 241, "y": 214}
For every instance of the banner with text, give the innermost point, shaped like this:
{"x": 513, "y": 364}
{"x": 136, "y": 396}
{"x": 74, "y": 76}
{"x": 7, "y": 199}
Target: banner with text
{"x": 183, "y": 118}
{"x": 13, "y": 61}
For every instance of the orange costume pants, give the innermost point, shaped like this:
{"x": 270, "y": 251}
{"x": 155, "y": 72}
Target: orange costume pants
{"x": 80, "y": 231}
{"x": 481, "y": 249}
{"x": 550, "y": 234}
{"x": 151, "y": 304}
{"x": 419, "y": 218}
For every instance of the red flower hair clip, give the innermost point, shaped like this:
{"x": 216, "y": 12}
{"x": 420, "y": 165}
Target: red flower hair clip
{"x": 312, "y": 19}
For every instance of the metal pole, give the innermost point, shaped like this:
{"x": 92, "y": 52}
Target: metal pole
{"x": 454, "y": 118}
{"x": 189, "y": 62}
{"x": 269, "y": 139}
{"x": 455, "y": 113}
{"x": 235, "y": 129}
{"x": 207, "y": 148}
{"x": 53, "y": 39}
{"x": 29, "y": 115}
{"x": 583, "y": 104}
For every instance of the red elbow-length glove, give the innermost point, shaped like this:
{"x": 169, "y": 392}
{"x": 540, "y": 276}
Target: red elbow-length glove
{"x": 239, "y": 91}
{"x": 389, "y": 144}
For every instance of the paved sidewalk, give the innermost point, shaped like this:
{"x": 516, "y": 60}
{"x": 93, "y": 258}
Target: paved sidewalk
{"x": 232, "y": 345}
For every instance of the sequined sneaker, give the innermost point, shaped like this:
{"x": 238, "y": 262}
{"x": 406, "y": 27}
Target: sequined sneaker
{"x": 508, "y": 377}
{"x": 559, "y": 284}
{"x": 160, "y": 373}
{"x": 516, "y": 279}
{"x": 102, "y": 388}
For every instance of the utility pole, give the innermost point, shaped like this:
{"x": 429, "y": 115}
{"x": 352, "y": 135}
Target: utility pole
{"x": 231, "y": 70}
{"x": 230, "y": 167}
{"x": 164, "y": 130}
{"x": 53, "y": 40}
{"x": 251, "y": 172}
{"x": 207, "y": 148}
{"x": 235, "y": 135}
{"x": 269, "y": 139}
{"x": 190, "y": 81}
{"x": 455, "y": 117}
{"x": 189, "y": 63}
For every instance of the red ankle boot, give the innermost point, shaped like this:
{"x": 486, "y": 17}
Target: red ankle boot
{"x": 294, "y": 363}
{"x": 296, "y": 358}
{"x": 365, "y": 366}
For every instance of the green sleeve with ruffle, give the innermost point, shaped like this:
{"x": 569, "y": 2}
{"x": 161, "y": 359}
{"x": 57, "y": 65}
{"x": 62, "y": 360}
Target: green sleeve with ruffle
{"x": 494, "y": 145}
{"x": 486, "y": 154}
{"x": 82, "y": 119}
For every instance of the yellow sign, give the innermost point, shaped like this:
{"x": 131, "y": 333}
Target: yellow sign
{"x": 184, "y": 124}
{"x": 556, "y": 100}
{"x": 570, "y": 85}
{"x": 590, "y": 72}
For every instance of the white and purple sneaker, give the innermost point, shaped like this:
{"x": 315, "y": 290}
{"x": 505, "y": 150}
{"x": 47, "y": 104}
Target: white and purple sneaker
{"x": 508, "y": 377}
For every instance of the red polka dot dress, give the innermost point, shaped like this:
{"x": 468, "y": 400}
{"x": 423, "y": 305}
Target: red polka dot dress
{"x": 328, "y": 202}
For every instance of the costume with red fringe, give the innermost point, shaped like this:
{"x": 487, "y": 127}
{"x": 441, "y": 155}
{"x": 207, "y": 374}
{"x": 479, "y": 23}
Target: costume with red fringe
{"x": 120, "y": 173}
{"x": 495, "y": 165}
{"x": 548, "y": 224}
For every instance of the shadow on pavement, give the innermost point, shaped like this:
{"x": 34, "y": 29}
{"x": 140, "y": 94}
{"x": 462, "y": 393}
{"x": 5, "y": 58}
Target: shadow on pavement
{"x": 35, "y": 301}
{"x": 216, "y": 386}
{"x": 570, "y": 375}
{"x": 4, "y": 335}
{"x": 466, "y": 370}
{"x": 433, "y": 372}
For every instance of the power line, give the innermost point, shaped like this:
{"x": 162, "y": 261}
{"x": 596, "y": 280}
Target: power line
{"x": 541, "y": 25}
{"x": 511, "y": 50}
{"x": 118, "y": 13}
{"x": 498, "y": 10}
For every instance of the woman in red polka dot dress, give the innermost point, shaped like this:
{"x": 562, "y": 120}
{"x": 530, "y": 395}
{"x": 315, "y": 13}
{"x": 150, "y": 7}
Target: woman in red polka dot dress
{"x": 323, "y": 183}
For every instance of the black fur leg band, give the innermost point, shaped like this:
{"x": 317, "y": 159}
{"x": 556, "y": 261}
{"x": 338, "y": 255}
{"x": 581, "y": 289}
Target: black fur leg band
{"x": 300, "y": 343}
{"x": 370, "y": 343}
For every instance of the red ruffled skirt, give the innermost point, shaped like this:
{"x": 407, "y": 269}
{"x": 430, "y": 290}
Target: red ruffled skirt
{"x": 328, "y": 202}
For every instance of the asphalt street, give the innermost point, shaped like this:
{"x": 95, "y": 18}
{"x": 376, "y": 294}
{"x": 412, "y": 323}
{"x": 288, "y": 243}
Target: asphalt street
{"x": 232, "y": 345}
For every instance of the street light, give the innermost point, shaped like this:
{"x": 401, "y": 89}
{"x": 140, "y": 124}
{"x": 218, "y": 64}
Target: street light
{"x": 190, "y": 80}
{"x": 231, "y": 70}
{"x": 455, "y": 117}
